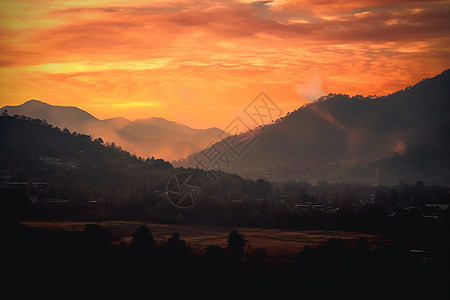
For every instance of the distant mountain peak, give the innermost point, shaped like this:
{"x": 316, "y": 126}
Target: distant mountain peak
{"x": 44, "y": 104}
{"x": 39, "y": 109}
{"x": 35, "y": 101}
{"x": 154, "y": 136}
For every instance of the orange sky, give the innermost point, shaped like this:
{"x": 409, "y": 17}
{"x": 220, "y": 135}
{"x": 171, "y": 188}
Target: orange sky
{"x": 202, "y": 62}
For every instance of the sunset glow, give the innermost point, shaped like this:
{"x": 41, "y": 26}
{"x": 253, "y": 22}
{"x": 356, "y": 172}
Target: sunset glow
{"x": 201, "y": 62}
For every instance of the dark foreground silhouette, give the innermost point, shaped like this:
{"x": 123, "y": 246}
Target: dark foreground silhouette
{"x": 61, "y": 264}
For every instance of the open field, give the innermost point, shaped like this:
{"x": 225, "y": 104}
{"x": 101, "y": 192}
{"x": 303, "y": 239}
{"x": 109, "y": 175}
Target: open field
{"x": 277, "y": 242}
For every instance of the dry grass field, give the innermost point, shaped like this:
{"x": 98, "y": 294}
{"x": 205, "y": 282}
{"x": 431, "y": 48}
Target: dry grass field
{"x": 277, "y": 242}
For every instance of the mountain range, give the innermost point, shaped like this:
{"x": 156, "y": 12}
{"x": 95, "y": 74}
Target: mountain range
{"x": 156, "y": 137}
{"x": 343, "y": 138}
{"x": 401, "y": 136}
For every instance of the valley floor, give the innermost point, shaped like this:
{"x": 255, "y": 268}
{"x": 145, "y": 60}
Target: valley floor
{"x": 277, "y": 242}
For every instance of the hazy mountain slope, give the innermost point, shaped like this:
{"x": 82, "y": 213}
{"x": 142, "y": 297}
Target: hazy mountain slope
{"x": 338, "y": 132}
{"x": 165, "y": 138}
{"x": 145, "y": 137}
{"x": 183, "y": 132}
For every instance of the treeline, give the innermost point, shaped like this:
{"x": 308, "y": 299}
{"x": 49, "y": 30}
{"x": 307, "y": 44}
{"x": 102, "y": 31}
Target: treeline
{"x": 392, "y": 211}
{"x": 62, "y": 264}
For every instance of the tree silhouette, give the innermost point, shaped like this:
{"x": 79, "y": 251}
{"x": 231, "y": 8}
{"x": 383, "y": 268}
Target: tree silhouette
{"x": 142, "y": 242}
{"x": 175, "y": 247}
{"x": 236, "y": 244}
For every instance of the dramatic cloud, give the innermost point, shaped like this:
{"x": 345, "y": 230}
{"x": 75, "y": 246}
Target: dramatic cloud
{"x": 202, "y": 62}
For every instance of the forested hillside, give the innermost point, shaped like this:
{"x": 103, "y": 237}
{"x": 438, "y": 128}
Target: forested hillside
{"x": 346, "y": 139}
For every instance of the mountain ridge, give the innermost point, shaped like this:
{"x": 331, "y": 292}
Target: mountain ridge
{"x": 145, "y": 137}
{"x": 328, "y": 137}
